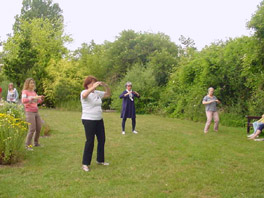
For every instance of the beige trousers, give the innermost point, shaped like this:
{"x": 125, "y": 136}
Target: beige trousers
{"x": 211, "y": 115}
{"x": 34, "y": 127}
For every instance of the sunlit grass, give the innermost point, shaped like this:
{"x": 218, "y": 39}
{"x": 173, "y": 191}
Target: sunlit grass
{"x": 168, "y": 158}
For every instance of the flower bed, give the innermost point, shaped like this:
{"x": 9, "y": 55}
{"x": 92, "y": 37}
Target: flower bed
{"x": 13, "y": 130}
{"x": 12, "y": 136}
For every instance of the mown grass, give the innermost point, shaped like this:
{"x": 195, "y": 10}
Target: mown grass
{"x": 168, "y": 158}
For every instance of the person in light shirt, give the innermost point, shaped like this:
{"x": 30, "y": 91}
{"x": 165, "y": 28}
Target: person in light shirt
{"x": 210, "y": 102}
{"x": 12, "y": 94}
{"x": 92, "y": 120}
{"x": 256, "y": 125}
{"x": 31, "y": 99}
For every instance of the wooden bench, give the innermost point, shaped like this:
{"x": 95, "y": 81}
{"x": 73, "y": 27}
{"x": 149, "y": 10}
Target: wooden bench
{"x": 249, "y": 124}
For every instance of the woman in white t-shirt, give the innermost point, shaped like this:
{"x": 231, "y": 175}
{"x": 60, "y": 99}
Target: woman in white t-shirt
{"x": 92, "y": 120}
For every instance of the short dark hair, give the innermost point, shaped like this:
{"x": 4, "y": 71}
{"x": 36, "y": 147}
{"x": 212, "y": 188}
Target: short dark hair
{"x": 88, "y": 80}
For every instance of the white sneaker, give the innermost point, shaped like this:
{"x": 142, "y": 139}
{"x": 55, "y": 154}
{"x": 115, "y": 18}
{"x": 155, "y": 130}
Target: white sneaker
{"x": 250, "y": 135}
{"x": 135, "y": 132}
{"x": 261, "y": 139}
{"x": 123, "y": 132}
{"x": 103, "y": 163}
{"x": 85, "y": 168}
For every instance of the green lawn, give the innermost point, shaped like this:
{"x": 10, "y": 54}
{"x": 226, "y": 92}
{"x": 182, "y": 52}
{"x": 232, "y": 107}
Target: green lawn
{"x": 168, "y": 158}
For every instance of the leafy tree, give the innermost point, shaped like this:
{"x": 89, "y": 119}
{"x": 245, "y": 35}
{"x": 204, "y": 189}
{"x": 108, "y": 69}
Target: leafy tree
{"x": 162, "y": 63}
{"x": 257, "y": 24}
{"x": 121, "y": 55}
{"x": 45, "y": 9}
{"x": 92, "y": 60}
{"x": 28, "y": 52}
{"x": 20, "y": 66}
{"x": 132, "y": 48}
{"x": 257, "y": 21}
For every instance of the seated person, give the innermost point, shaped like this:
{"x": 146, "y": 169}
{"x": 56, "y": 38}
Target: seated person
{"x": 259, "y": 129}
{"x": 256, "y": 125}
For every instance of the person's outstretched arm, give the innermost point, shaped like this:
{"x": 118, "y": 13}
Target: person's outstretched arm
{"x": 107, "y": 90}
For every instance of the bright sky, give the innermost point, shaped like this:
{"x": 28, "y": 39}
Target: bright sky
{"x": 205, "y": 21}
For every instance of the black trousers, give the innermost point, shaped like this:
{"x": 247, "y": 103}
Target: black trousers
{"x": 92, "y": 128}
{"x": 133, "y": 124}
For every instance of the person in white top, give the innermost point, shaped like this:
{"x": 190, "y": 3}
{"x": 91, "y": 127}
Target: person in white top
{"x": 92, "y": 120}
{"x": 12, "y": 94}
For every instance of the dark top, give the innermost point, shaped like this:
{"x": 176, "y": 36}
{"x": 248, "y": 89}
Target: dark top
{"x": 128, "y": 106}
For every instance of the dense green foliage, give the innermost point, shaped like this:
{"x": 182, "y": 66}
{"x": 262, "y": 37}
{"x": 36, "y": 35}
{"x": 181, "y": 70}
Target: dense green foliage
{"x": 170, "y": 78}
{"x": 223, "y": 66}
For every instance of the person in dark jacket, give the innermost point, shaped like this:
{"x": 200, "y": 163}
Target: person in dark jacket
{"x": 128, "y": 107}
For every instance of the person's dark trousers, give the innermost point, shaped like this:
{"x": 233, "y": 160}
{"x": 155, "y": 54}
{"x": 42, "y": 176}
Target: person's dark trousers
{"x": 133, "y": 124}
{"x": 92, "y": 128}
